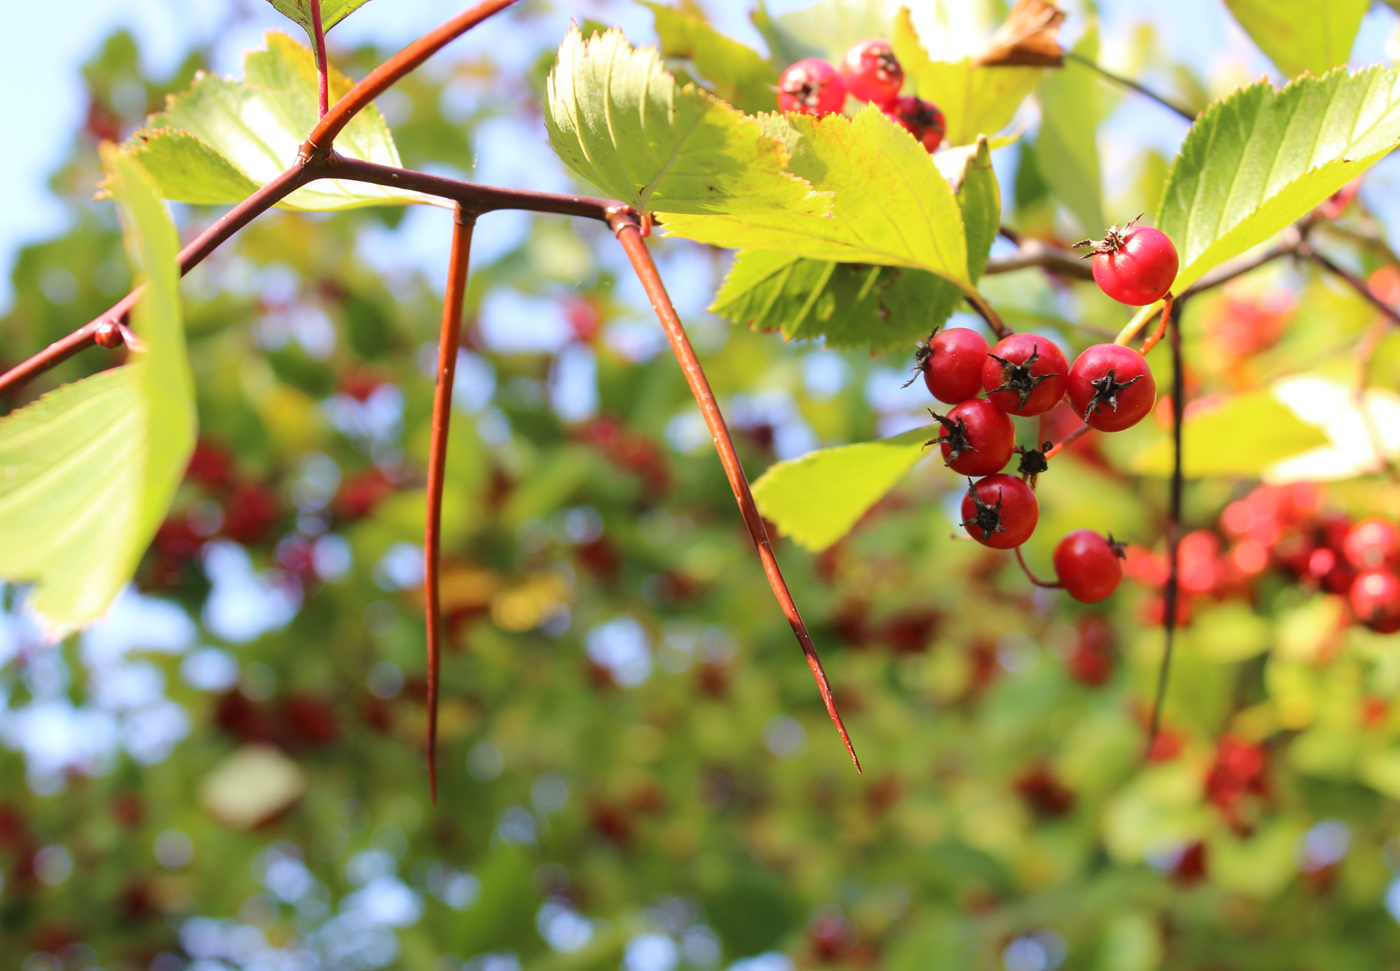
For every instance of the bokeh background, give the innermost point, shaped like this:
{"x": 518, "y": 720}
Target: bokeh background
{"x": 227, "y": 772}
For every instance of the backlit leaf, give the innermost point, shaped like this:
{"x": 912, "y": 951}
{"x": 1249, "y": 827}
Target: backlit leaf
{"x": 1298, "y": 37}
{"x": 738, "y": 73}
{"x": 1262, "y": 158}
{"x": 1239, "y": 436}
{"x": 332, "y": 11}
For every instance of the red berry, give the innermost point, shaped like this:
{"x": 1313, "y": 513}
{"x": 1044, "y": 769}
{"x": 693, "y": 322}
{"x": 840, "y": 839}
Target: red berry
{"x": 977, "y": 438}
{"x": 1375, "y": 600}
{"x": 1025, "y": 374}
{"x": 920, "y": 118}
{"x": 872, "y": 72}
{"x": 1135, "y": 265}
{"x": 250, "y": 513}
{"x": 1111, "y": 387}
{"x": 952, "y": 364}
{"x": 811, "y": 87}
{"x": 1000, "y": 511}
{"x": 1373, "y": 544}
{"x": 1089, "y": 566}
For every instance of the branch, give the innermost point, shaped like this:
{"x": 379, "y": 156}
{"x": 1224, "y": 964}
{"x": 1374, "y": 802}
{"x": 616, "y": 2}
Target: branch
{"x": 1353, "y": 281}
{"x": 448, "y": 343}
{"x": 1173, "y": 590}
{"x": 627, "y": 225}
{"x": 323, "y": 68}
{"x": 1135, "y": 86}
{"x": 985, "y": 311}
{"x": 1034, "y": 253}
{"x": 379, "y": 80}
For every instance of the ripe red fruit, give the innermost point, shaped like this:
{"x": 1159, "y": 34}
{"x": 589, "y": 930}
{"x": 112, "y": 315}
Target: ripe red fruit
{"x": 1373, "y": 544}
{"x": 872, "y": 72}
{"x": 977, "y": 438}
{"x": 811, "y": 87}
{"x": 1000, "y": 511}
{"x": 1111, "y": 387}
{"x": 1375, "y": 600}
{"x": 1089, "y": 566}
{"x": 1135, "y": 265}
{"x": 1025, "y": 374}
{"x": 920, "y": 118}
{"x": 952, "y": 364}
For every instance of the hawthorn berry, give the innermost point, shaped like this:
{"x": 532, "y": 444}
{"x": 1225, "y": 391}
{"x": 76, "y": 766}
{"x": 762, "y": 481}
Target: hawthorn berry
{"x": 920, "y": 118}
{"x": 1375, "y": 600}
{"x": 1111, "y": 387}
{"x": 1135, "y": 265}
{"x": 1089, "y": 566}
{"x": 1373, "y": 544}
{"x": 977, "y": 437}
{"x": 811, "y": 87}
{"x": 871, "y": 71}
{"x": 1025, "y": 374}
{"x": 952, "y": 364}
{"x": 1000, "y": 511}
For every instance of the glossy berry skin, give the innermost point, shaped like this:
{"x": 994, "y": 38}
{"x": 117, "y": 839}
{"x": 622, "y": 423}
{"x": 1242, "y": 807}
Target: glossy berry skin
{"x": 1373, "y": 544}
{"x": 953, "y": 370}
{"x": 1089, "y": 566}
{"x": 1003, "y": 514}
{"x": 920, "y": 118}
{"x": 811, "y": 87}
{"x": 1025, "y": 374}
{"x": 1375, "y": 600}
{"x": 1111, "y": 387}
{"x": 872, "y": 72}
{"x": 1136, "y": 265}
{"x": 982, "y": 438}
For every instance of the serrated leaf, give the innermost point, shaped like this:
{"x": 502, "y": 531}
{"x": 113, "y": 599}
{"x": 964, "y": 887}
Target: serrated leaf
{"x": 974, "y": 100}
{"x": 1067, "y": 149}
{"x": 979, "y": 198}
{"x": 738, "y": 73}
{"x": 332, "y": 11}
{"x": 891, "y": 206}
{"x": 1241, "y": 435}
{"x": 1300, "y": 37}
{"x": 817, "y": 498}
{"x": 1260, "y": 159}
{"x": 877, "y": 308}
{"x": 219, "y": 141}
{"x": 618, "y": 119}
{"x": 88, "y": 471}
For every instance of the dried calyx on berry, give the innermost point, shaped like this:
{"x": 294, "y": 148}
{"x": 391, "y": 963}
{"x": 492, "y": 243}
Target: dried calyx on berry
{"x": 1021, "y": 378}
{"x": 987, "y": 517}
{"x": 1106, "y": 390}
{"x": 922, "y": 352}
{"x": 1033, "y": 460}
{"x": 1114, "y": 239}
{"x": 954, "y": 436}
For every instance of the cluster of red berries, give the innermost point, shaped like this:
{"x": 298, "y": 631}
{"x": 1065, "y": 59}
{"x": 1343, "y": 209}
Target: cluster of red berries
{"x": 868, "y": 72}
{"x": 1285, "y": 528}
{"x": 629, "y": 450}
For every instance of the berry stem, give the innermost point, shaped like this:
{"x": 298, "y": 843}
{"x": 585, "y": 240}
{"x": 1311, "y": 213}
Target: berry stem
{"x": 1131, "y": 84}
{"x": 1025, "y": 568}
{"x": 1067, "y": 441}
{"x": 323, "y": 69}
{"x": 1156, "y": 338}
{"x": 627, "y": 226}
{"x": 448, "y": 343}
{"x": 984, "y": 309}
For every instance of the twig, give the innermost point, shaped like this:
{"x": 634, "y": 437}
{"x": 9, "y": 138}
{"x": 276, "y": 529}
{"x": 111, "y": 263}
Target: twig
{"x": 985, "y": 311}
{"x": 1025, "y": 568}
{"x": 323, "y": 68}
{"x": 379, "y": 80}
{"x": 1172, "y": 592}
{"x": 1034, "y": 253}
{"x": 448, "y": 344}
{"x": 627, "y": 225}
{"x": 1129, "y": 83}
{"x": 1351, "y": 280}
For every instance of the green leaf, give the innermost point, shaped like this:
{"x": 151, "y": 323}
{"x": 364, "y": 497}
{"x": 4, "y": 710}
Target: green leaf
{"x": 1239, "y": 436}
{"x": 891, "y": 205}
{"x": 88, "y": 472}
{"x": 219, "y": 141}
{"x": 979, "y": 198}
{"x": 817, "y": 498}
{"x": 1260, "y": 159}
{"x": 332, "y": 11}
{"x": 878, "y": 308}
{"x": 618, "y": 119}
{"x": 1071, "y": 106}
{"x": 1302, "y": 37}
{"x": 974, "y": 100}
{"x": 739, "y": 74}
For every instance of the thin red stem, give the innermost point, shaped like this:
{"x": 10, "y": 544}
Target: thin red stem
{"x": 1067, "y": 441}
{"x": 448, "y": 344}
{"x": 1156, "y": 338}
{"x": 379, "y": 80}
{"x": 323, "y": 68}
{"x": 627, "y": 225}
{"x": 1025, "y": 568}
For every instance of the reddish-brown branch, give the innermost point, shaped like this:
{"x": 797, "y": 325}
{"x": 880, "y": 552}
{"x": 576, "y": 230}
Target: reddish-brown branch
{"x": 379, "y": 80}
{"x": 627, "y": 225}
{"x": 448, "y": 344}
{"x": 323, "y": 68}
{"x": 1025, "y": 568}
